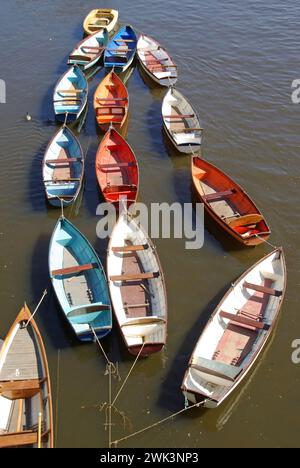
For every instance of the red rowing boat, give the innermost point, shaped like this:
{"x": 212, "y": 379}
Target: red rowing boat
{"x": 228, "y": 204}
{"x": 111, "y": 102}
{"x": 117, "y": 169}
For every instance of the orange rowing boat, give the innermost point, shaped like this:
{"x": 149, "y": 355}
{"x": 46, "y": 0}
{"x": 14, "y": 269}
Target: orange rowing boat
{"x": 111, "y": 102}
{"x": 228, "y": 204}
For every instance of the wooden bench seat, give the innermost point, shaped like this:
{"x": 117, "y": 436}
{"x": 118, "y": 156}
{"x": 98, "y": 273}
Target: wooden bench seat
{"x": 62, "y": 160}
{"x": 218, "y": 195}
{"x": 137, "y": 277}
{"x": 130, "y": 248}
{"x": 262, "y": 289}
{"x": 112, "y": 165}
{"x": 112, "y": 99}
{"x": 179, "y": 116}
{"x": 74, "y": 269}
{"x": 136, "y": 306}
{"x": 18, "y": 439}
{"x": 244, "y": 320}
{"x": 188, "y": 129}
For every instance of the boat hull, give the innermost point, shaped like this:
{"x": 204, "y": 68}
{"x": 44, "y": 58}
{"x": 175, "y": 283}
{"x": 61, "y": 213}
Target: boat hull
{"x": 209, "y": 363}
{"x": 117, "y": 170}
{"x": 79, "y": 282}
{"x": 118, "y": 57}
{"x": 243, "y": 205}
{"x": 93, "y": 20}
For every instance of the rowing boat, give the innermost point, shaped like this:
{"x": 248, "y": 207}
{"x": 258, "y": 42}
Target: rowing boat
{"x": 137, "y": 287}
{"x": 100, "y": 18}
{"x": 181, "y": 122}
{"x": 70, "y": 95}
{"x": 117, "y": 169}
{"x": 121, "y": 50}
{"x": 79, "y": 282}
{"x": 237, "y": 332}
{"x": 156, "y": 61}
{"x": 26, "y": 418}
{"x": 63, "y": 168}
{"x": 88, "y": 51}
{"x": 111, "y": 102}
{"x": 228, "y": 204}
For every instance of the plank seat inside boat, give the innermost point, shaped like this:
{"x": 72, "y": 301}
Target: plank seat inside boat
{"x": 130, "y": 248}
{"x": 135, "y": 277}
{"x": 242, "y": 320}
{"x": 63, "y": 160}
{"x": 112, "y": 99}
{"x": 134, "y": 306}
{"x": 262, "y": 289}
{"x": 81, "y": 58}
{"x": 116, "y": 165}
{"x": 217, "y": 195}
{"x": 18, "y": 439}
{"x": 179, "y": 116}
{"x": 74, "y": 269}
{"x": 216, "y": 368}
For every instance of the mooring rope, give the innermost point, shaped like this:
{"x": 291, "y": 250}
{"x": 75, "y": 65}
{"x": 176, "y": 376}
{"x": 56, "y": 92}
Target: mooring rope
{"x": 115, "y": 442}
{"x": 37, "y": 308}
{"x": 57, "y": 395}
{"x": 127, "y": 377}
{"x": 109, "y": 363}
{"x": 267, "y": 242}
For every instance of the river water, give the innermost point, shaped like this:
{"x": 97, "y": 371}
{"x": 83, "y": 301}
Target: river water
{"x": 237, "y": 61}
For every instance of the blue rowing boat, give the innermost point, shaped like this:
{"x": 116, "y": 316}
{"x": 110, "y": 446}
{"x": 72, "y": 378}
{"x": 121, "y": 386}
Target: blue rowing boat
{"x": 70, "y": 95}
{"x": 121, "y": 50}
{"x": 79, "y": 282}
{"x": 63, "y": 168}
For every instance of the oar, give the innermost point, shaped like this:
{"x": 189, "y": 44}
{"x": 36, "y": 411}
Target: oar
{"x": 40, "y": 430}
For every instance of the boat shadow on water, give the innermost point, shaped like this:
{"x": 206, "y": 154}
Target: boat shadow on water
{"x": 155, "y": 89}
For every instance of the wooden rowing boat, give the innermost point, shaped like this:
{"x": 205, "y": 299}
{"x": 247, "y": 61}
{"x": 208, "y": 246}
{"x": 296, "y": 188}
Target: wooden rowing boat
{"x": 228, "y": 204}
{"x": 137, "y": 287}
{"x": 111, "y": 102}
{"x": 88, "y": 51}
{"x": 100, "y": 18}
{"x": 121, "y": 50}
{"x": 79, "y": 282}
{"x": 156, "y": 61}
{"x": 70, "y": 95}
{"x": 63, "y": 168}
{"x": 181, "y": 122}
{"x": 25, "y": 388}
{"x": 237, "y": 332}
{"x": 117, "y": 169}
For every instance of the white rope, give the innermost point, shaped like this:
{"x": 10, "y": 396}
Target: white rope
{"x": 37, "y": 308}
{"x": 267, "y": 242}
{"x": 198, "y": 405}
{"x": 127, "y": 377}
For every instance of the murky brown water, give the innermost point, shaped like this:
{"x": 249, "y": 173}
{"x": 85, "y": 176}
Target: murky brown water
{"x": 237, "y": 61}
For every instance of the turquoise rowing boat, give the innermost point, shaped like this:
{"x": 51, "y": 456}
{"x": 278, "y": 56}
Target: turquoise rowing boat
{"x": 79, "y": 282}
{"x": 70, "y": 95}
